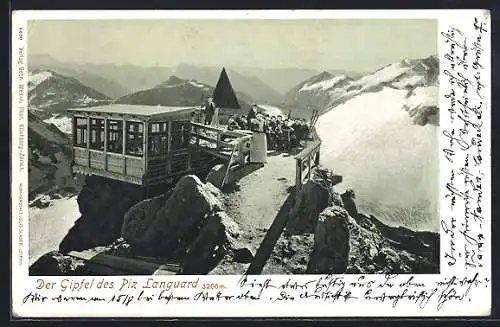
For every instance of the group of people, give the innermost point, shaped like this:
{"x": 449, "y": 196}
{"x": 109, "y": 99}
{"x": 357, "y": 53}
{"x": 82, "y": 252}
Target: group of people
{"x": 281, "y": 132}
{"x": 268, "y": 132}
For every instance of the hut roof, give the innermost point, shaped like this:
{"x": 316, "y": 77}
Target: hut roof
{"x": 137, "y": 110}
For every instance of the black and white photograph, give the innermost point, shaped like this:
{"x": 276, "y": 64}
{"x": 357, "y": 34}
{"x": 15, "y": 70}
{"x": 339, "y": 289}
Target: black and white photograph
{"x": 233, "y": 147}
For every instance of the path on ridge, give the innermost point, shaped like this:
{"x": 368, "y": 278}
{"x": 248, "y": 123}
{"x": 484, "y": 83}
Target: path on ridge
{"x": 259, "y": 197}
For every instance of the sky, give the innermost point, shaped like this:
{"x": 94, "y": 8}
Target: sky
{"x": 355, "y": 45}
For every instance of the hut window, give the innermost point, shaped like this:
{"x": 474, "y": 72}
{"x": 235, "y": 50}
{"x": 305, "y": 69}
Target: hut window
{"x": 97, "y": 134}
{"x": 135, "y": 137}
{"x": 179, "y": 135}
{"x": 115, "y": 136}
{"x": 158, "y": 134}
{"x": 80, "y": 135}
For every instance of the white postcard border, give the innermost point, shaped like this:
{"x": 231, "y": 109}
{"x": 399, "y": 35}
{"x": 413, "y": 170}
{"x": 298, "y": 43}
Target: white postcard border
{"x": 475, "y": 303}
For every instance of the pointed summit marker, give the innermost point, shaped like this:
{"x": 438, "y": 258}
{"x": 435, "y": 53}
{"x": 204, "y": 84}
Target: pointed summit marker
{"x": 224, "y": 96}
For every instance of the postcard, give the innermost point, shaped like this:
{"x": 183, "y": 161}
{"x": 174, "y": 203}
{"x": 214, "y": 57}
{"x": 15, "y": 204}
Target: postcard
{"x": 261, "y": 163}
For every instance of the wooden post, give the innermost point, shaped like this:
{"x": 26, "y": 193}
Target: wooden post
{"x": 195, "y": 128}
{"x": 89, "y": 135}
{"x": 106, "y": 144}
{"x": 124, "y": 146}
{"x": 169, "y": 146}
{"x": 188, "y": 164}
{"x": 145, "y": 149}
{"x": 309, "y": 167}
{"x": 73, "y": 138}
{"x": 217, "y": 147}
{"x": 228, "y": 166}
{"x": 298, "y": 176}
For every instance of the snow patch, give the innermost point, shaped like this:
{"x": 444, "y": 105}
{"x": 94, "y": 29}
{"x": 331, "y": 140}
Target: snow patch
{"x": 383, "y": 75}
{"x": 194, "y": 83}
{"x": 323, "y": 85}
{"x": 35, "y": 79}
{"x": 48, "y": 226}
{"x": 407, "y": 81}
{"x": 423, "y": 97}
{"x": 357, "y": 119}
{"x": 88, "y": 100}
{"x": 389, "y": 161}
{"x": 61, "y": 122}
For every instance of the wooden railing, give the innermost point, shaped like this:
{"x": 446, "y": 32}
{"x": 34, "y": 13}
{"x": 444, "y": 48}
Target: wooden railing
{"x": 306, "y": 161}
{"x": 217, "y": 141}
{"x": 107, "y": 264}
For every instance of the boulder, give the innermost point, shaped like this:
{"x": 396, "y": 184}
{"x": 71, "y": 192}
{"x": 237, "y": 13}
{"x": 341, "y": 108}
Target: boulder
{"x": 331, "y": 243}
{"x": 140, "y": 216}
{"x": 290, "y": 255}
{"x": 312, "y": 200}
{"x": 217, "y": 237}
{"x": 102, "y": 203}
{"x": 173, "y": 222}
{"x": 326, "y": 234}
{"x": 314, "y": 196}
{"x": 349, "y": 203}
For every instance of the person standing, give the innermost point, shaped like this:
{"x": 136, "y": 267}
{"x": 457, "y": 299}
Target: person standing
{"x": 258, "y": 146}
{"x": 215, "y": 117}
{"x": 252, "y": 114}
{"x": 209, "y": 111}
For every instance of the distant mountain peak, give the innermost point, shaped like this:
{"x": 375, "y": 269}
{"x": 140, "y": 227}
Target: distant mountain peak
{"x": 53, "y": 92}
{"x": 324, "y": 74}
{"x": 173, "y": 80}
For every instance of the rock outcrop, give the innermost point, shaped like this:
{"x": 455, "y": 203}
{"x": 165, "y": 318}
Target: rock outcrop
{"x": 314, "y": 197}
{"x": 344, "y": 241}
{"x": 188, "y": 225}
{"x": 331, "y": 243}
{"x": 185, "y": 225}
{"x": 102, "y": 203}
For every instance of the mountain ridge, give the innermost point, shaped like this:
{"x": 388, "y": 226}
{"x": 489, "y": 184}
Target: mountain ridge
{"x": 325, "y": 90}
{"x": 52, "y": 92}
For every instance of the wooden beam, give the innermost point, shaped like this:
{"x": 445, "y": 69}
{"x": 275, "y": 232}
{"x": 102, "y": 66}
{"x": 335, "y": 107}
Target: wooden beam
{"x": 99, "y": 172}
{"x": 169, "y": 145}
{"x": 145, "y": 144}
{"x": 298, "y": 177}
{"x": 207, "y": 127}
{"x": 106, "y": 144}
{"x": 124, "y": 146}
{"x": 131, "y": 265}
{"x": 309, "y": 168}
{"x": 89, "y": 135}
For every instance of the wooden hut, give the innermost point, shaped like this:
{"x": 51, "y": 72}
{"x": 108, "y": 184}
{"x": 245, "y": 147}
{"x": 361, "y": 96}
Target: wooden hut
{"x": 147, "y": 145}
{"x": 132, "y": 143}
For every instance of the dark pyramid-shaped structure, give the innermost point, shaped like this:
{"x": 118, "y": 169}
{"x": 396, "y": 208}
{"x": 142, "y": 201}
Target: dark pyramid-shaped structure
{"x": 224, "y": 96}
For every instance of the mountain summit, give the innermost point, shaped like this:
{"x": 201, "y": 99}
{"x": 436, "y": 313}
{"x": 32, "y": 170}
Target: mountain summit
{"x": 52, "y": 92}
{"x": 325, "y": 91}
{"x": 176, "y": 91}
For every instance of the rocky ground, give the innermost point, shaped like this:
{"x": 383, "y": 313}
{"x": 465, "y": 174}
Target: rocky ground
{"x": 220, "y": 232}
{"x": 326, "y": 234}
{"x": 186, "y": 224}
